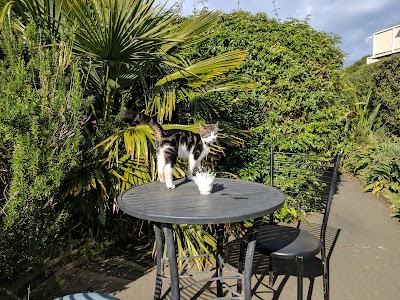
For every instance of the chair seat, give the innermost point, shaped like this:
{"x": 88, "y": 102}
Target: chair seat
{"x": 287, "y": 242}
{"x": 87, "y": 296}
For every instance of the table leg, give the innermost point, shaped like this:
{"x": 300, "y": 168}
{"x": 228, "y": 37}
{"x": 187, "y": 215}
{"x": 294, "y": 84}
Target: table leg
{"x": 173, "y": 266}
{"x": 220, "y": 247}
{"x": 248, "y": 265}
{"x": 160, "y": 250}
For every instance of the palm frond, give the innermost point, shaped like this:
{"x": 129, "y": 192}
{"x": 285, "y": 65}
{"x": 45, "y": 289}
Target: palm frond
{"x": 193, "y": 80}
{"x": 119, "y": 30}
{"x": 46, "y": 14}
{"x": 191, "y": 31}
{"x": 11, "y": 9}
{"x": 163, "y": 102}
{"x": 231, "y": 86}
{"x": 194, "y": 241}
{"x": 200, "y": 73}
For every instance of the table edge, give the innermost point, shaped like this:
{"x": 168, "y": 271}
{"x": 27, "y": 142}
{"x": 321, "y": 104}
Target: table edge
{"x": 211, "y": 220}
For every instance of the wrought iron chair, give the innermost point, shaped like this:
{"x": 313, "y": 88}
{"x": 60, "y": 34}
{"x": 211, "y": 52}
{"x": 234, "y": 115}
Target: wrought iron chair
{"x": 309, "y": 181}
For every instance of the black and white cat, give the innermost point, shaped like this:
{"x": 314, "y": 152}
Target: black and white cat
{"x": 174, "y": 143}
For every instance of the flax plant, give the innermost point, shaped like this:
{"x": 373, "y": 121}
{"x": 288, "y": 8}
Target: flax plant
{"x": 364, "y": 116}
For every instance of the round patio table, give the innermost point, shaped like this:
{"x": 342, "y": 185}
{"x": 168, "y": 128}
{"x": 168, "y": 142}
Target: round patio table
{"x": 230, "y": 201}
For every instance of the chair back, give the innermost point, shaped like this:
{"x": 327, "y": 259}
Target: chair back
{"x": 309, "y": 181}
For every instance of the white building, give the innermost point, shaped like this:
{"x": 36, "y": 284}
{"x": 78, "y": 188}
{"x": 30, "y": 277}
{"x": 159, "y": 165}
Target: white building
{"x": 386, "y": 42}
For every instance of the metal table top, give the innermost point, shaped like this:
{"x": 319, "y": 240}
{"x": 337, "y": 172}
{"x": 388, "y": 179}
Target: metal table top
{"x": 231, "y": 200}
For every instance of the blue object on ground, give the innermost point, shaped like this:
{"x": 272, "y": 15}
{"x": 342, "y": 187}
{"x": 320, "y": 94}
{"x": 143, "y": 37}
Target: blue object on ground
{"x": 87, "y": 296}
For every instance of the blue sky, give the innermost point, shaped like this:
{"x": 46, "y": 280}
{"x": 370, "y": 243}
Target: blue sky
{"x": 354, "y": 21}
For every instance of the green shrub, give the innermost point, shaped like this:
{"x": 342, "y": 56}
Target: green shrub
{"x": 383, "y": 78}
{"x": 378, "y": 166}
{"x": 372, "y": 156}
{"x": 297, "y": 69}
{"x": 362, "y": 118}
{"x": 296, "y": 104}
{"x": 42, "y": 114}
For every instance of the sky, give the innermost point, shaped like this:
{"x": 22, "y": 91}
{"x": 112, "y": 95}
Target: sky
{"x": 355, "y": 21}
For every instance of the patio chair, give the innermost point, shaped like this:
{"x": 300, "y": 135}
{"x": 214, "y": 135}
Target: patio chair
{"x": 87, "y": 296}
{"x": 309, "y": 182}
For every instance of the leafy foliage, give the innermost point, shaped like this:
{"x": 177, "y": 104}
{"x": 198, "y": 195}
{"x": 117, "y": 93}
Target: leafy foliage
{"x": 295, "y": 105}
{"x": 361, "y": 119}
{"x": 383, "y": 79}
{"x": 372, "y": 154}
{"x": 126, "y": 48}
{"x": 378, "y": 165}
{"x": 42, "y": 115}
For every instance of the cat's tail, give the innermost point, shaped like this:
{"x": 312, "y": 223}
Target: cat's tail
{"x": 133, "y": 116}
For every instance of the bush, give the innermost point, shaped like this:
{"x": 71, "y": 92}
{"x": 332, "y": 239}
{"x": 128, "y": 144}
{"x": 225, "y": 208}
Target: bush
{"x": 297, "y": 69}
{"x": 383, "y": 78}
{"x": 373, "y": 154}
{"x": 42, "y": 114}
{"x": 296, "y": 105}
{"x": 378, "y": 166}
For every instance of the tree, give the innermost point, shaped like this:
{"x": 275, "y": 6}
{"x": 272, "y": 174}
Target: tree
{"x": 123, "y": 41}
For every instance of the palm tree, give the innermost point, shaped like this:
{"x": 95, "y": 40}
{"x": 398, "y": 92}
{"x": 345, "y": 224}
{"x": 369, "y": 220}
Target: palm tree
{"x": 130, "y": 44}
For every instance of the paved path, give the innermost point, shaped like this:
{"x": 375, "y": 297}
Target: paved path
{"x": 365, "y": 262}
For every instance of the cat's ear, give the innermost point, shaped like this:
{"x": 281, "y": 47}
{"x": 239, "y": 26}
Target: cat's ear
{"x": 217, "y": 124}
{"x": 201, "y": 126}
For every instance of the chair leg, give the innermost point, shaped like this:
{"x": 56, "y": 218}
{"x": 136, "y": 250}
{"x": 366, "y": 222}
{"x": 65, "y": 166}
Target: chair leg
{"x": 220, "y": 247}
{"x": 240, "y": 264}
{"x": 325, "y": 266}
{"x": 299, "y": 262}
{"x": 270, "y": 272}
{"x": 310, "y": 288}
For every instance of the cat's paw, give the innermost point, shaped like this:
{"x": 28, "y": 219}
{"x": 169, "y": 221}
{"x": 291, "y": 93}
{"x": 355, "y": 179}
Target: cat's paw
{"x": 161, "y": 179}
{"x": 190, "y": 177}
{"x": 171, "y": 186}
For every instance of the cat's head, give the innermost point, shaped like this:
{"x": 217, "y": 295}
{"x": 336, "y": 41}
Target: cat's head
{"x": 209, "y": 132}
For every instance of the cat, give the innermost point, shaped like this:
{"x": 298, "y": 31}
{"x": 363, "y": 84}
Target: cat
{"x": 174, "y": 143}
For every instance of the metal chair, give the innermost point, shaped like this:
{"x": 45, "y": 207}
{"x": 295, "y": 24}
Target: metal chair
{"x": 309, "y": 181}
{"x": 87, "y": 296}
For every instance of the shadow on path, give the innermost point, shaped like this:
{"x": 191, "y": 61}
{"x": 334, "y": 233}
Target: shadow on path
{"x": 109, "y": 275}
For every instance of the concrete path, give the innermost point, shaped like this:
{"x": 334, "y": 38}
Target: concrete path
{"x": 364, "y": 263}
